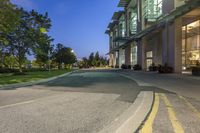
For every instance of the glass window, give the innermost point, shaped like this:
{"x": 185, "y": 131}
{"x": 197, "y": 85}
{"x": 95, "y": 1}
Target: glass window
{"x": 133, "y": 22}
{"x": 152, "y": 9}
{"x": 134, "y": 55}
{"x": 190, "y": 44}
{"x": 149, "y": 54}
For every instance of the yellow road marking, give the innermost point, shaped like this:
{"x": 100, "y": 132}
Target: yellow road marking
{"x": 194, "y": 110}
{"x": 172, "y": 115}
{"x": 147, "y": 128}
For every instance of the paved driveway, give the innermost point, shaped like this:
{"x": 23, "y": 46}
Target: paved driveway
{"x": 177, "y": 102}
{"x": 83, "y": 102}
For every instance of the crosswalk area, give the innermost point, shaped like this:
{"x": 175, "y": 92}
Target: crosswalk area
{"x": 172, "y": 113}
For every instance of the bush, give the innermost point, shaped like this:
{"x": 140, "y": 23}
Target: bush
{"x": 153, "y": 67}
{"x": 129, "y": 67}
{"x": 35, "y": 70}
{"x": 19, "y": 73}
{"x": 124, "y": 66}
{"x": 165, "y": 69}
{"x": 8, "y": 70}
{"x": 116, "y": 66}
{"x": 196, "y": 71}
{"x": 137, "y": 67}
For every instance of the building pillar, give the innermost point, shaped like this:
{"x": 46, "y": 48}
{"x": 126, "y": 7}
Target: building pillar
{"x": 172, "y": 45}
{"x": 143, "y": 54}
{"x": 111, "y": 60}
{"x": 178, "y": 46}
{"x": 139, "y": 52}
{"x": 128, "y": 55}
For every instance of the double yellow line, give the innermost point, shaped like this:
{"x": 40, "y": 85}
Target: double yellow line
{"x": 177, "y": 127}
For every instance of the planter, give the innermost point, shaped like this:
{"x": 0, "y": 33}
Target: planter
{"x": 165, "y": 69}
{"x": 196, "y": 71}
{"x": 153, "y": 68}
{"x": 137, "y": 67}
{"x": 124, "y": 66}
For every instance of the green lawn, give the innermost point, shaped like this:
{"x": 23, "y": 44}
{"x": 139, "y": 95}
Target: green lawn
{"x": 30, "y": 76}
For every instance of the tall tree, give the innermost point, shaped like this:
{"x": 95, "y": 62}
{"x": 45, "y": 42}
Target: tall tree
{"x": 91, "y": 59}
{"x": 64, "y": 55}
{"x": 27, "y": 34}
{"x": 43, "y": 50}
{"x": 9, "y": 17}
{"x": 97, "y": 59}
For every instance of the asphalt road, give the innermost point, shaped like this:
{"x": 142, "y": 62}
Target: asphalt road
{"x": 83, "y": 102}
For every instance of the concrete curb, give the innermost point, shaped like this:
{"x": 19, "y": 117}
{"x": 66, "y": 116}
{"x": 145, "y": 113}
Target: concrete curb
{"x": 18, "y": 85}
{"x": 131, "y": 120}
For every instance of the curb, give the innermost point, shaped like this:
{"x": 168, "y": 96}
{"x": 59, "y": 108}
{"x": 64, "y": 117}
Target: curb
{"x": 131, "y": 120}
{"x": 18, "y": 85}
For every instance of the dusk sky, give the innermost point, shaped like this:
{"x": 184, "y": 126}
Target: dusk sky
{"x": 79, "y": 24}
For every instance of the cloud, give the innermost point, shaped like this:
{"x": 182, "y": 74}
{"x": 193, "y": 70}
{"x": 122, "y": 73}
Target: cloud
{"x": 27, "y": 4}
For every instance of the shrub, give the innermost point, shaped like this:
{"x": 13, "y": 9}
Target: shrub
{"x": 137, "y": 67}
{"x": 8, "y": 70}
{"x": 153, "y": 67}
{"x": 196, "y": 71}
{"x": 35, "y": 69}
{"x": 124, "y": 66}
{"x": 116, "y": 66}
{"x": 129, "y": 67}
{"x": 165, "y": 69}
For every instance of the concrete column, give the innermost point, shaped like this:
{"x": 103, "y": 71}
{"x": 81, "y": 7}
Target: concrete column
{"x": 139, "y": 52}
{"x": 172, "y": 45}
{"x": 178, "y": 46}
{"x": 128, "y": 55}
{"x": 111, "y": 60}
{"x": 164, "y": 46}
{"x": 143, "y": 54}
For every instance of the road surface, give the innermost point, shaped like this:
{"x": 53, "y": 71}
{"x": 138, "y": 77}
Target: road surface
{"x": 83, "y": 102}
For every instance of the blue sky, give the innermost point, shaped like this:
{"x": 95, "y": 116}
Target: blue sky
{"x": 79, "y": 24}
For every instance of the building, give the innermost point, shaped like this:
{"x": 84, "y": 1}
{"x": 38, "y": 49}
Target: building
{"x": 156, "y": 31}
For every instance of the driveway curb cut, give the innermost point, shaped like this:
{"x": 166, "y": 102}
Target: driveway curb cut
{"x": 18, "y": 85}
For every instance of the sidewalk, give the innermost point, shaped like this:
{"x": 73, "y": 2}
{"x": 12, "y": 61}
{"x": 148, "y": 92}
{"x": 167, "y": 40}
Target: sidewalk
{"x": 182, "y": 84}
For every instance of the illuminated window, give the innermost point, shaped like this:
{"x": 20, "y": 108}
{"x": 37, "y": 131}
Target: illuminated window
{"x": 149, "y": 54}
{"x": 134, "y": 55}
{"x": 190, "y": 44}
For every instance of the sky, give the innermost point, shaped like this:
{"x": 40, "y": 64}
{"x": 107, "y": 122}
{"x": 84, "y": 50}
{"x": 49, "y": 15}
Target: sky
{"x": 79, "y": 24}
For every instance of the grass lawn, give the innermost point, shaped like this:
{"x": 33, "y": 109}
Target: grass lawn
{"x": 30, "y": 76}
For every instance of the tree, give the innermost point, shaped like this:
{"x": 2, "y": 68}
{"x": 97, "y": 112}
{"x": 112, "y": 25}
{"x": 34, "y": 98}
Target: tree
{"x": 9, "y": 17}
{"x": 10, "y": 61}
{"x": 64, "y": 55}
{"x": 27, "y": 35}
{"x": 97, "y": 59}
{"x": 43, "y": 51}
{"x": 91, "y": 60}
{"x": 83, "y": 63}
